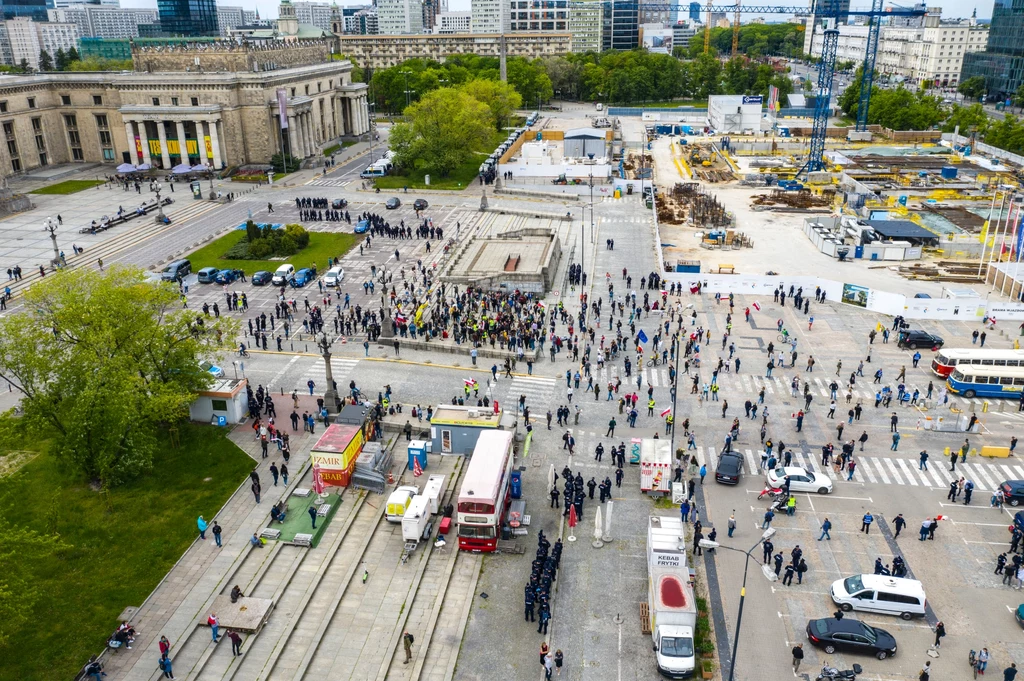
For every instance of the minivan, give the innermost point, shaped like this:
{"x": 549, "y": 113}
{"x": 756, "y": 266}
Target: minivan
{"x": 880, "y": 593}
{"x": 283, "y": 274}
{"x": 177, "y": 270}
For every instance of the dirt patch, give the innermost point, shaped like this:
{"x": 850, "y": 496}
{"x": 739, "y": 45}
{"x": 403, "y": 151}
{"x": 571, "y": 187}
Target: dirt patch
{"x": 15, "y": 459}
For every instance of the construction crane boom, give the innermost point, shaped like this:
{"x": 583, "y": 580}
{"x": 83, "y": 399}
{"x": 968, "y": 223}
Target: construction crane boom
{"x": 736, "y": 31}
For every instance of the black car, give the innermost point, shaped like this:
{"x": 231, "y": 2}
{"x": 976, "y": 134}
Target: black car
{"x": 420, "y": 204}
{"x": 392, "y": 203}
{"x": 730, "y": 467}
{"x": 832, "y": 635}
{"x": 339, "y": 203}
{"x": 262, "y": 278}
{"x": 1013, "y": 490}
{"x": 915, "y": 338}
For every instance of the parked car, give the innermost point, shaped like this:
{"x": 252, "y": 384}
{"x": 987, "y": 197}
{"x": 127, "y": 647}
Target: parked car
{"x": 921, "y": 295}
{"x": 302, "y": 277}
{"x": 832, "y": 635}
{"x": 1018, "y": 615}
{"x": 283, "y": 274}
{"x": 334, "y": 276}
{"x": 212, "y": 369}
{"x": 261, "y": 278}
{"x": 207, "y": 275}
{"x": 177, "y": 270}
{"x": 800, "y": 479}
{"x": 339, "y": 203}
{"x": 362, "y": 227}
{"x": 228, "y": 276}
{"x": 730, "y": 467}
{"x": 1013, "y": 490}
{"x": 420, "y": 204}
{"x": 392, "y": 203}
{"x": 916, "y": 338}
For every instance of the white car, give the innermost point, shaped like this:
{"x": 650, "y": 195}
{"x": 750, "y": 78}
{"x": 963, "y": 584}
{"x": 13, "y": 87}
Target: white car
{"x": 800, "y": 479}
{"x": 334, "y": 276}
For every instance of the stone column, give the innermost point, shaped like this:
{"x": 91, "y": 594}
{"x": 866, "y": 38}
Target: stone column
{"x": 215, "y": 143}
{"x": 144, "y": 140}
{"x": 310, "y": 134}
{"x": 293, "y": 137}
{"x": 182, "y": 142}
{"x": 364, "y": 115}
{"x": 164, "y": 152}
{"x": 129, "y": 135}
{"x": 304, "y": 135}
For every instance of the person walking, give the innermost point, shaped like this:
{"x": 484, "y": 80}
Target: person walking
{"x": 407, "y": 641}
{"x": 216, "y": 529}
{"x": 798, "y": 656}
{"x": 866, "y": 523}
{"x": 165, "y": 667}
{"x": 202, "y": 527}
{"x": 923, "y": 465}
{"x": 900, "y": 523}
{"x": 236, "y": 642}
{"x": 548, "y": 665}
{"x": 732, "y": 522}
{"x": 940, "y": 631}
{"x": 825, "y": 527}
{"x": 214, "y": 623}
{"x": 559, "y": 658}
{"x": 312, "y": 515}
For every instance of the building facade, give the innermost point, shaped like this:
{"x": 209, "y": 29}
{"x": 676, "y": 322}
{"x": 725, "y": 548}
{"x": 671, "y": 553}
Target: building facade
{"x": 218, "y": 114}
{"x": 539, "y": 16}
{"x": 853, "y": 42}
{"x": 400, "y": 17}
{"x": 683, "y": 32}
{"x": 188, "y": 17}
{"x": 622, "y": 25}
{"x": 447, "y": 23}
{"x": 586, "y": 25}
{"x": 229, "y": 18}
{"x": 33, "y": 9}
{"x": 490, "y": 16}
{"x": 1001, "y": 63}
{"x": 383, "y": 51}
{"x": 314, "y": 13}
{"x": 27, "y": 38}
{"x": 932, "y": 53}
{"x": 98, "y": 21}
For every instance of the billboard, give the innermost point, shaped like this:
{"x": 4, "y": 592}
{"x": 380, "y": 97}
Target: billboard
{"x": 855, "y": 295}
{"x": 282, "y": 107}
{"x": 658, "y": 39}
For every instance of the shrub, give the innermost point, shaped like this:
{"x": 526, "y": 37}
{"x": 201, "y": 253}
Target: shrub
{"x": 298, "y": 233}
{"x": 287, "y": 246}
{"x": 260, "y": 249}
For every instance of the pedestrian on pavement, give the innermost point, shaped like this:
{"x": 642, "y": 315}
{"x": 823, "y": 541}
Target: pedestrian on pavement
{"x": 703, "y": 472}
{"x": 214, "y": 623}
{"x": 236, "y": 642}
{"x": 558, "y": 662}
{"x": 732, "y": 522}
{"x": 165, "y": 667}
{"x": 548, "y": 665}
{"x": 923, "y": 466}
{"x": 900, "y": 523}
{"x": 866, "y": 523}
{"x": 1010, "y": 672}
{"x": 825, "y": 527}
{"x": 926, "y": 672}
{"x": 768, "y": 515}
{"x": 940, "y": 631}
{"x": 312, "y": 515}
{"x": 407, "y": 641}
{"x": 202, "y": 527}
{"x": 798, "y": 656}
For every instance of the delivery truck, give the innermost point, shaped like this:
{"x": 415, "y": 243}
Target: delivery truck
{"x": 671, "y": 604}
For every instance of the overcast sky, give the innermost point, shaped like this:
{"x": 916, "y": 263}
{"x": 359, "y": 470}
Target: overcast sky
{"x": 950, "y": 8}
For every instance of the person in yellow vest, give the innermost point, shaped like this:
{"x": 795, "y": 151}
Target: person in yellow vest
{"x": 668, "y": 424}
{"x": 650, "y": 407}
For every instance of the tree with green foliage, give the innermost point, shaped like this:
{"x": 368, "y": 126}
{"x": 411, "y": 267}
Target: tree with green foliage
{"x": 1018, "y": 98}
{"x": 61, "y": 60}
{"x": 529, "y": 80}
{"x": 755, "y": 41}
{"x": 500, "y": 98}
{"x": 21, "y": 548}
{"x": 973, "y": 87}
{"x": 97, "y": 64}
{"x": 1006, "y": 134}
{"x": 445, "y": 127}
{"x": 285, "y": 164}
{"x": 73, "y": 55}
{"x": 23, "y": 65}
{"x": 901, "y": 109}
{"x": 968, "y": 119}
{"x": 45, "y": 61}
{"x": 105, "y": 360}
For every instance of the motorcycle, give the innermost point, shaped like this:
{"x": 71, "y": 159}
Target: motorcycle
{"x": 833, "y": 674}
{"x": 773, "y": 492}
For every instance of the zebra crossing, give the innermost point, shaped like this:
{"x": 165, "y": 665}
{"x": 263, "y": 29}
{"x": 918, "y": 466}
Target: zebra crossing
{"x": 329, "y": 182}
{"x": 887, "y": 470}
{"x": 538, "y": 390}
{"x": 340, "y": 370}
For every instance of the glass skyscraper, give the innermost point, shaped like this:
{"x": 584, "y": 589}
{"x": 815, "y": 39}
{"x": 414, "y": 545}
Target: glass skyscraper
{"x": 1002, "y": 62}
{"x": 24, "y": 8}
{"x": 188, "y": 17}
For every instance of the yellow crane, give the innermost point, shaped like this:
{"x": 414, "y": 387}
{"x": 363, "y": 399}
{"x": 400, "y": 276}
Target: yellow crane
{"x": 736, "y": 31}
{"x": 707, "y": 29}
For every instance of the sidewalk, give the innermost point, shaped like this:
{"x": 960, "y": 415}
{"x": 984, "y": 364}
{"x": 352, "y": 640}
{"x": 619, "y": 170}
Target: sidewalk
{"x": 178, "y": 601}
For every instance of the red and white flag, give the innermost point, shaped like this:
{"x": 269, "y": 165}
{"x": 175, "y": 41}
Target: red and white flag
{"x": 757, "y": 306}
{"x": 469, "y": 381}
{"x": 318, "y": 479}
{"x": 417, "y": 470}
{"x": 666, "y": 412}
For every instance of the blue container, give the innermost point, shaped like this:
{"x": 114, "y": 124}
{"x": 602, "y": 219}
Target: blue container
{"x": 516, "y": 484}
{"x": 949, "y": 172}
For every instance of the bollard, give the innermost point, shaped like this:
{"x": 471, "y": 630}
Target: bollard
{"x": 984, "y": 407}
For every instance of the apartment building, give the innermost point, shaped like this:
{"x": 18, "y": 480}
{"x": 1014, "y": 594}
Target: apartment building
{"x": 539, "y": 16}
{"x": 446, "y": 23}
{"x": 933, "y": 53}
{"x": 28, "y": 38}
{"x": 586, "y": 25}
{"x": 400, "y": 17}
{"x": 383, "y": 51}
{"x": 98, "y": 21}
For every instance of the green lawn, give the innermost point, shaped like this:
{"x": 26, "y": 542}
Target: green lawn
{"x": 459, "y": 178}
{"x": 68, "y": 187}
{"x": 335, "y": 148}
{"x": 322, "y": 245}
{"x": 121, "y": 546}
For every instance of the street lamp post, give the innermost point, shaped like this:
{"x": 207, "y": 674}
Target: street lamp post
{"x": 704, "y": 543}
{"x": 50, "y": 226}
{"x": 160, "y": 217}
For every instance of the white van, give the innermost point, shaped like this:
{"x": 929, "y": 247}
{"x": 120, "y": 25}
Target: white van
{"x": 282, "y": 275}
{"x": 334, "y": 276}
{"x": 882, "y": 594}
{"x": 600, "y": 106}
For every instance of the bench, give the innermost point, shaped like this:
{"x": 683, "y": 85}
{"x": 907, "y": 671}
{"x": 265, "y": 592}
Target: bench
{"x": 726, "y": 266}
{"x": 645, "y": 618}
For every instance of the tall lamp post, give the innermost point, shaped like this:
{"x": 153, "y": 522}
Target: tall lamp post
{"x": 50, "y": 226}
{"x": 160, "y": 217}
{"x": 771, "y": 576}
{"x": 331, "y": 395}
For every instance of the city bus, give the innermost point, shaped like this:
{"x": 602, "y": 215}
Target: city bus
{"x": 485, "y": 493}
{"x": 948, "y": 358}
{"x": 986, "y": 381}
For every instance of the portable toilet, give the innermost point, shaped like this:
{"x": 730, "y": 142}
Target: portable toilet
{"x": 432, "y": 491}
{"x": 418, "y": 451}
{"x": 517, "y": 484}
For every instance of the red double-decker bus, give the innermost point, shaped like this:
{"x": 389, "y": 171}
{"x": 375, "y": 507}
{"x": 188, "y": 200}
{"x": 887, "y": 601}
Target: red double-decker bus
{"x": 485, "y": 494}
{"x": 947, "y": 359}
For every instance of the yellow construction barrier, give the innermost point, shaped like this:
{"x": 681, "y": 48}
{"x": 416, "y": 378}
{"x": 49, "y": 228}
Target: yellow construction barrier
{"x": 993, "y": 451}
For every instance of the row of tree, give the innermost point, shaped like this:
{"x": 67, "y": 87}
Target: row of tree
{"x": 69, "y": 61}
{"x": 755, "y": 41}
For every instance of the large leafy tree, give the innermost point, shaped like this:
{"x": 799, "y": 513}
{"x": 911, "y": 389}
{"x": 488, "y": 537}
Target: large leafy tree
{"x": 444, "y": 128}
{"x": 104, "y": 360}
{"x": 972, "y": 88}
{"x": 500, "y": 98}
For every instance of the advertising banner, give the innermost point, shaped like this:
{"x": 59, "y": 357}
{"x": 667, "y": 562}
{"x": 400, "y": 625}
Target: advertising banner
{"x": 282, "y": 108}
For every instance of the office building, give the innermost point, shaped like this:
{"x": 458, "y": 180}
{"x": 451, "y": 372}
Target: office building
{"x": 188, "y": 17}
{"x": 63, "y": 4}
{"x": 99, "y": 21}
{"x": 383, "y": 51}
{"x": 447, "y": 23}
{"x": 490, "y": 16}
{"x": 852, "y": 44}
{"x": 1002, "y": 61}
{"x": 656, "y": 12}
{"x": 539, "y": 16}
{"x": 229, "y": 18}
{"x": 682, "y": 33}
{"x": 33, "y": 9}
{"x": 28, "y": 38}
{"x": 585, "y": 25}
{"x": 695, "y": 13}
{"x": 400, "y": 17}
{"x": 624, "y": 28}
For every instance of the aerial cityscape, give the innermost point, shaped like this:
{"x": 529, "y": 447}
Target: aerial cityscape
{"x": 611, "y": 339}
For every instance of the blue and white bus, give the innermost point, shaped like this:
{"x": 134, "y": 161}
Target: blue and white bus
{"x": 986, "y": 381}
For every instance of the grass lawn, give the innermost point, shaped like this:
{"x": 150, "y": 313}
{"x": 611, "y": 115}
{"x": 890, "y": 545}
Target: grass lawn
{"x": 335, "y": 148}
{"x": 322, "y": 245}
{"x": 121, "y": 546}
{"x": 68, "y": 187}
{"x": 459, "y": 178}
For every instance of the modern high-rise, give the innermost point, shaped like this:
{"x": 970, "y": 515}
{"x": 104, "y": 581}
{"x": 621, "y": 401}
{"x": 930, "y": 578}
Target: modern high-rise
{"x": 100, "y": 21}
{"x": 1002, "y": 62}
{"x": 585, "y": 25}
{"x": 229, "y": 18}
{"x": 34, "y": 9}
{"x": 622, "y": 25}
{"x": 539, "y": 16}
{"x": 490, "y": 16}
{"x": 447, "y": 23}
{"x": 695, "y": 11}
{"x": 400, "y": 17}
{"x": 188, "y": 17}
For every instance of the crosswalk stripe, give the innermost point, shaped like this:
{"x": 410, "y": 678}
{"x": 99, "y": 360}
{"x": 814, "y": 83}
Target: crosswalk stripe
{"x": 892, "y": 469}
{"x": 989, "y": 483}
{"x": 748, "y": 456}
{"x": 1020, "y": 473}
{"x": 939, "y": 473}
{"x": 925, "y": 480}
{"x": 907, "y": 473}
{"x": 700, "y": 455}
{"x": 881, "y": 470}
{"x": 1009, "y": 472}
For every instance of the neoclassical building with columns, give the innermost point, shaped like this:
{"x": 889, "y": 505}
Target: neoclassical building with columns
{"x": 218, "y": 104}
